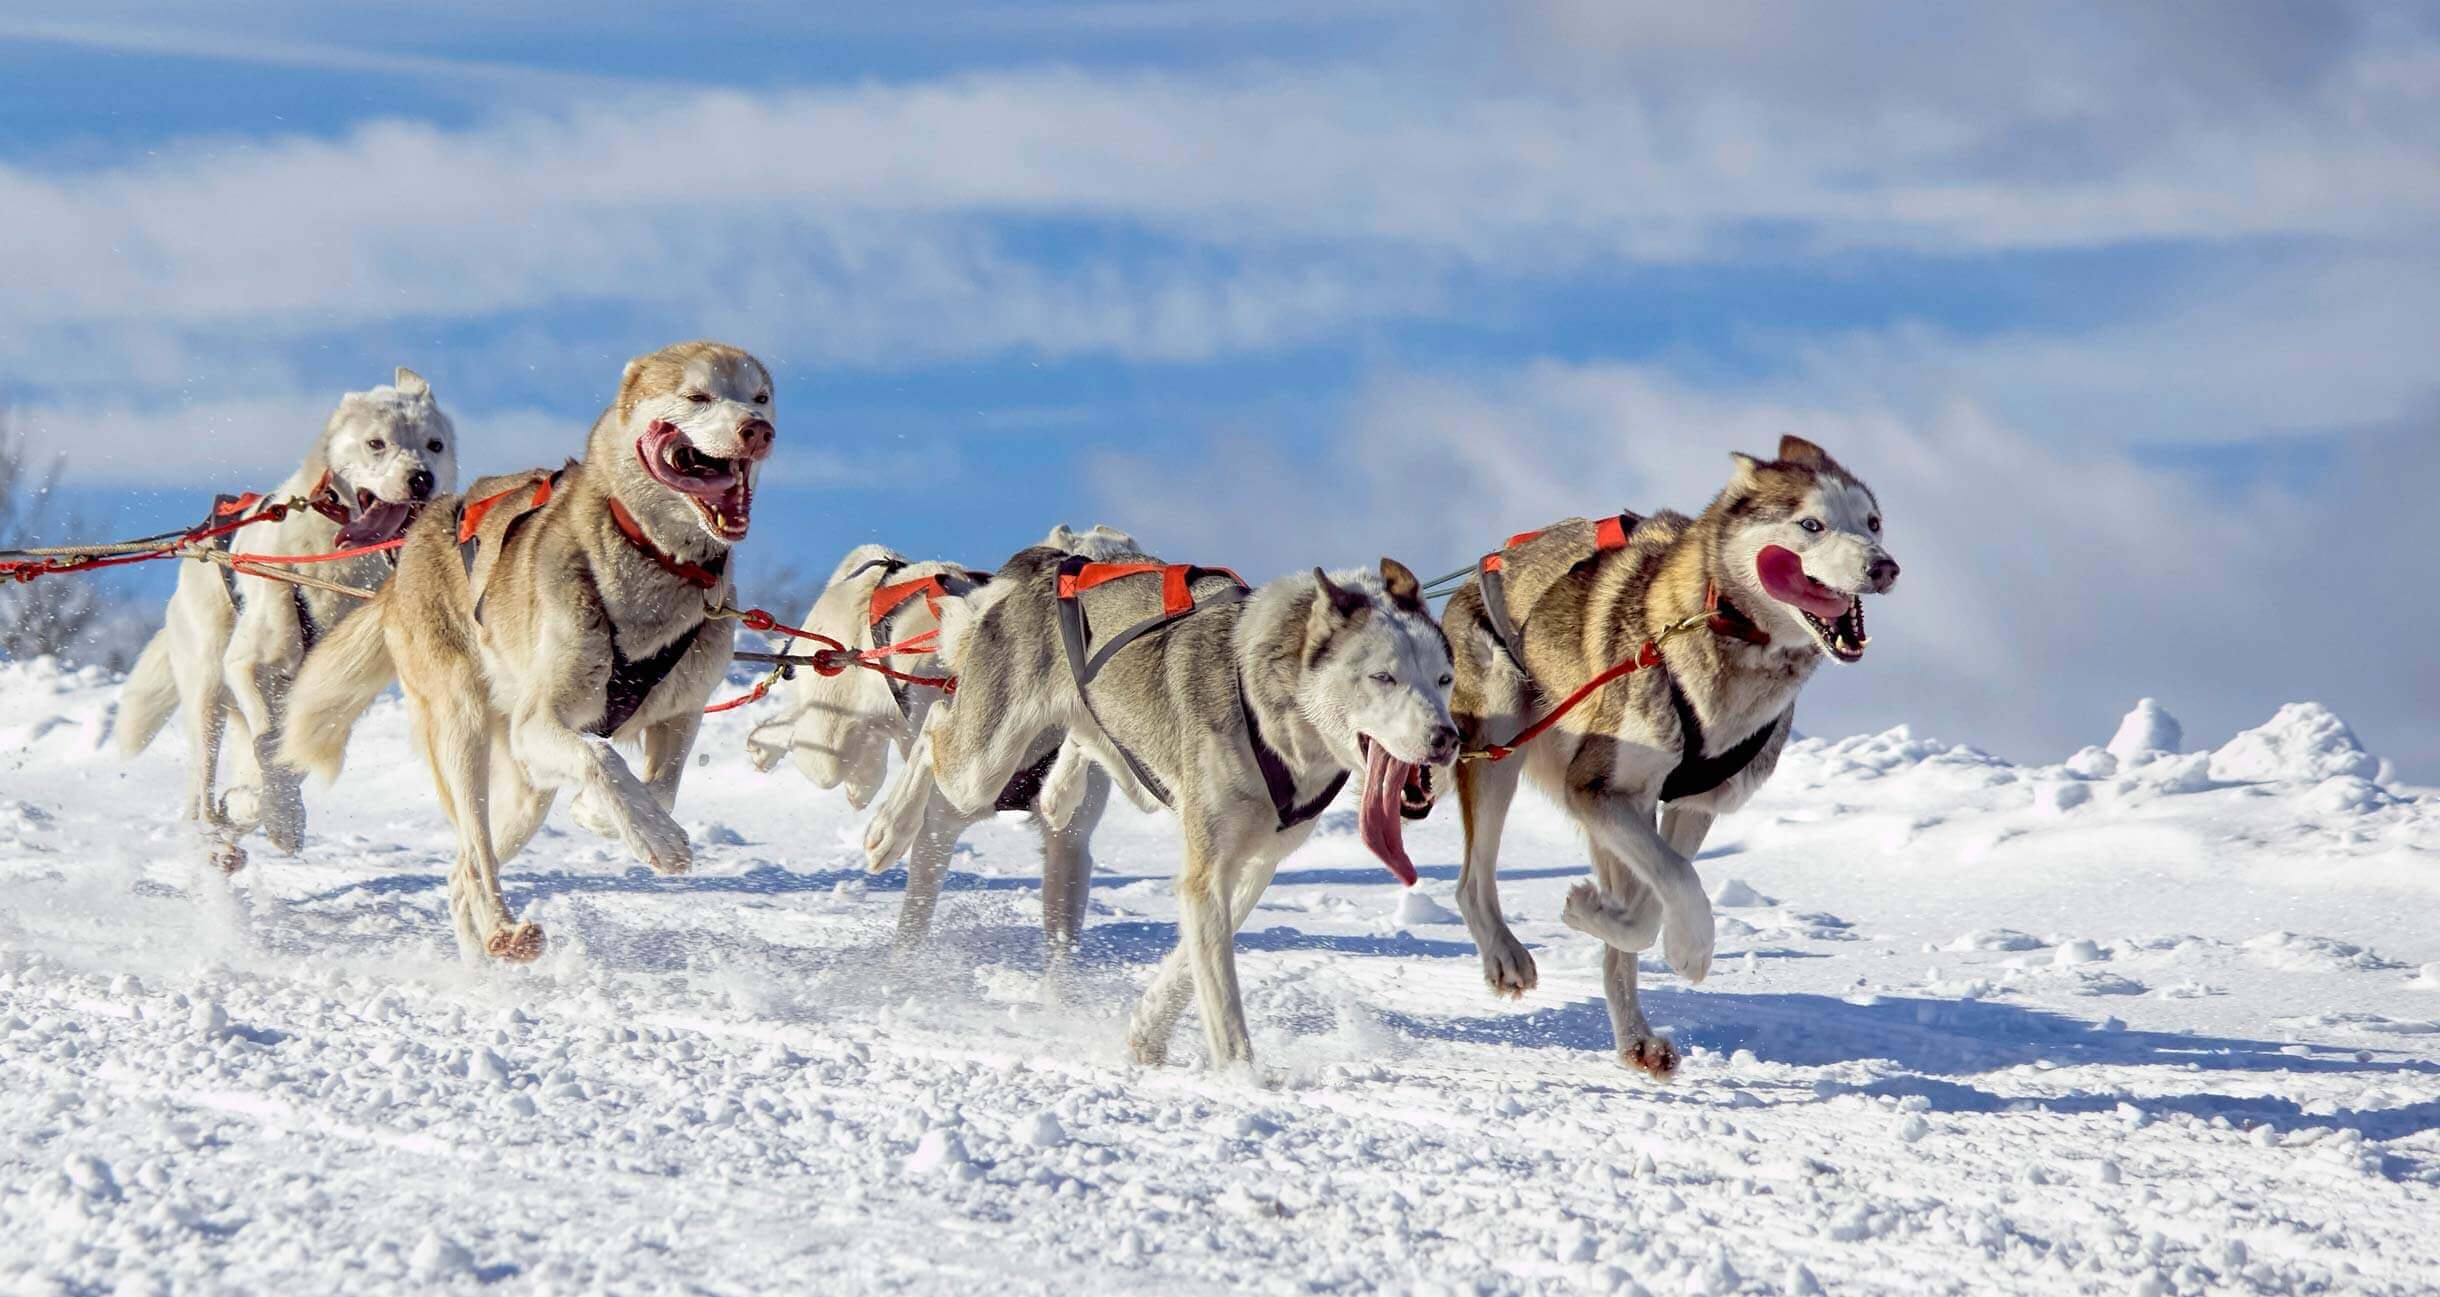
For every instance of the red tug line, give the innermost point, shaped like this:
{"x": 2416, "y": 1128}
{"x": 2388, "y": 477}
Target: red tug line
{"x": 243, "y": 511}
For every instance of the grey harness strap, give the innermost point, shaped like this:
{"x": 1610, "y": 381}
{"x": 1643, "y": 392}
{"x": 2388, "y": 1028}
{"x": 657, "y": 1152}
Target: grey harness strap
{"x": 1086, "y": 662}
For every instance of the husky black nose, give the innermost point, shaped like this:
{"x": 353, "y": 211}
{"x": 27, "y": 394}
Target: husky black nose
{"x": 1444, "y": 744}
{"x": 757, "y": 434}
{"x": 419, "y": 484}
{"x": 1883, "y": 573}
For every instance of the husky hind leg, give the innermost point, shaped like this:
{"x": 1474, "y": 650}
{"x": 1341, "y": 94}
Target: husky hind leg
{"x": 1067, "y": 865}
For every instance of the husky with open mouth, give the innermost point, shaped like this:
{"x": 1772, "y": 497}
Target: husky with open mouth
{"x": 230, "y": 643}
{"x": 1774, "y": 573}
{"x": 542, "y": 616}
{"x": 1243, "y": 711}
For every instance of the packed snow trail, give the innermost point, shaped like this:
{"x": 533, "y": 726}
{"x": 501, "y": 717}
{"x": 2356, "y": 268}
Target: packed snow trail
{"x": 2140, "y": 1022}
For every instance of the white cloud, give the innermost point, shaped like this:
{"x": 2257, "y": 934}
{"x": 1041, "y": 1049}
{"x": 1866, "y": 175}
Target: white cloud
{"x": 2046, "y": 585}
{"x": 695, "y": 198}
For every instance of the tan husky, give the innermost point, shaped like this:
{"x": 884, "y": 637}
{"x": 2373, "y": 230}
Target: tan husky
{"x": 544, "y": 616}
{"x": 1768, "y": 581}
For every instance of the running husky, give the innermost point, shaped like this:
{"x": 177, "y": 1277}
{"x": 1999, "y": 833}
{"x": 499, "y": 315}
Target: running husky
{"x": 1246, "y": 712}
{"x": 230, "y": 643}
{"x": 1771, "y": 577}
{"x": 543, "y": 616}
{"x": 839, "y": 730}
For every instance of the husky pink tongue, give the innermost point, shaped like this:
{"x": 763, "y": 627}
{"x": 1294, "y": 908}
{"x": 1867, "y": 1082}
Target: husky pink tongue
{"x": 1377, "y": 820}
{"x": 376, "y": 524}
{"x": 1783, "y": 578}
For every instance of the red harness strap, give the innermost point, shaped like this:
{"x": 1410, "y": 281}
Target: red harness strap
{"x": 470, "y": 519}
{"x": 702, "y": 578}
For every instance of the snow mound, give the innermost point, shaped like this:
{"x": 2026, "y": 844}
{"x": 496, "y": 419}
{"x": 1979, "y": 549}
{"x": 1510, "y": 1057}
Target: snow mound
{"x": 2148, "y": 728}
{"x": 2303, "y": 743}
{"x": 1997, "y": 939}
{"x": 1415, "y": 906}
{"x": 2295, "y": 953}
{"x": 1736, "y": 893}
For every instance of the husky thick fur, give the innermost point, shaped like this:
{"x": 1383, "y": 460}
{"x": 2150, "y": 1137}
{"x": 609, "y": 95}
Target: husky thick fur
{"x": 1338, "y": 673}
{"x": 513, "y": 664}
{"x": 840, "y": 730}
{"x": 1790, "y": 546}
{"x": 230, "y": 644}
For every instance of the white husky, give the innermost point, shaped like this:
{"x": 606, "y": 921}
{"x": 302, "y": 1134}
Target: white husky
{"x": 230, "y": 644}
{"x": 840, "y": 730}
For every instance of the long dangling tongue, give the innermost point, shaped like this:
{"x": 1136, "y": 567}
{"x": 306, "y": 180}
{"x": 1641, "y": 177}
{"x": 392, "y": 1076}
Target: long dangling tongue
{"x": 377, "y": 523}
{"x": 1377, "y": 820}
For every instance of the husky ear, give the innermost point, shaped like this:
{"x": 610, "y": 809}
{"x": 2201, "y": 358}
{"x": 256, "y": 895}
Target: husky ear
{"x": 1797, "y": 450}
{"x": 1062, "y": 537}
{"x": 1748, "y": 474}
{"x": 626, "y": 382}
{"x": 1403, "y": 589}
{"x": 1343, "y": 601}
{"x": 410, "y": 383}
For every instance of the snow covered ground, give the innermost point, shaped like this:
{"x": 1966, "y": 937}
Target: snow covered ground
{"x": 2139, "y": 1022}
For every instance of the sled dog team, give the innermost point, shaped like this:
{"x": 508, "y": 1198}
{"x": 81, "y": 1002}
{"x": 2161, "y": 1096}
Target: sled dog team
{"x": 1641, "y": 671}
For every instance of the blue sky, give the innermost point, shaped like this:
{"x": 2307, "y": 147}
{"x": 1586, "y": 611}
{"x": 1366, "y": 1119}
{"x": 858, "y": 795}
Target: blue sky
{"x": 2128, "y": 313}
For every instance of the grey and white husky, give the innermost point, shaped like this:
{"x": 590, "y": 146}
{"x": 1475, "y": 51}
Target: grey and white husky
{"x": 840, "y": 730}
{"x": 1245, "y": 717}
{"x": 1779, "y": 561}
{"x": 230, "y": 643}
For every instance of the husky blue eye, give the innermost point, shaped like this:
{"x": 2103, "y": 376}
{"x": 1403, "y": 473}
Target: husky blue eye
{"x": 1384, "y": 678}
{"x": 1810, "y": 524}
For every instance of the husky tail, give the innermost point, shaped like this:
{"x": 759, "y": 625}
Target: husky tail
{"x": 340, "y": 678}
{"x": 148, "y": 697}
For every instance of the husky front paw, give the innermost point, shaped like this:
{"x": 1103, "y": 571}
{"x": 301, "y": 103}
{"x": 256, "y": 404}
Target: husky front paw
{"x": 1063, "y": 788}
{"x": 899, "y": 818}
{"x": 768, "y": 743}
{"x": 1654, "y": 1056}
{"x": 1686, "y": 939}
{"x": 224, "y": 854}
{"x": 656, "y": 839}
{"x": 1508, "y": 967}
{"x": 241, "y": 807}
{"x": 587, "y": 808}
{"x": 1147, "y": 1049}
{"x": 518, "y": 943}
{"x": 1630, "y": 928}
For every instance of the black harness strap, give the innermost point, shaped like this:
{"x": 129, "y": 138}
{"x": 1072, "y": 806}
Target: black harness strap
{"x": 1697, "y": 774}
{"x": 226, "y": 542}
{"x": 633, "y": 680}
{"x": 1275, "y": 775}
{"x": 1024, "y": 788}
{"x": 307, "y": 629}
{"x": 1084, "y": 664}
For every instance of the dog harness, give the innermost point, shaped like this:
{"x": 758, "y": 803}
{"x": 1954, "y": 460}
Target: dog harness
{"x": 632, "y": 680}
{"x": 324, "y": 499}
{"x": 886, "y": 601}
{"x": 1695, "y": 774}
{"x": 1077, "y": 574}
{"x": 1608, "y": 534}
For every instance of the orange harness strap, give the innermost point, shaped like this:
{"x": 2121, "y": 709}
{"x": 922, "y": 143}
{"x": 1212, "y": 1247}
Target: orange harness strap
{"x": 470, "y": 518}
{"x": 888, "y": 599}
